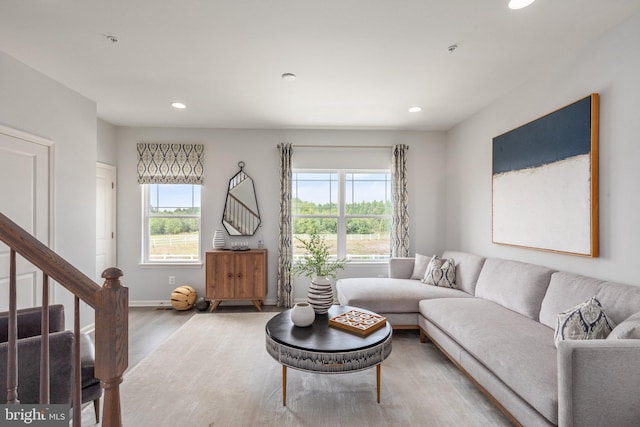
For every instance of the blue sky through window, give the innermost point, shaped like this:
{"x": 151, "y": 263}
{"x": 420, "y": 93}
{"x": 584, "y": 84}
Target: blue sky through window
{"x": 169, "y": 197}
{"x": 322, "y": 187}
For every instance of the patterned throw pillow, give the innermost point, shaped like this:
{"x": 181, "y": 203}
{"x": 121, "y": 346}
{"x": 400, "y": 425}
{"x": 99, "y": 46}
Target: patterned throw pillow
{"x": 585, "y": 321}
{"x": 441, "y": 272}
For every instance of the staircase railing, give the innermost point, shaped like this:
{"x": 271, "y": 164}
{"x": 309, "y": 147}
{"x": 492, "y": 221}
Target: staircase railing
{"x": 110, "y": 303}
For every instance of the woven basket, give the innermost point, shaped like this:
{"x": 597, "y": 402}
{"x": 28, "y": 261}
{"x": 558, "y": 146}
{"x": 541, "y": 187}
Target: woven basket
{"x": 183, "y": 297}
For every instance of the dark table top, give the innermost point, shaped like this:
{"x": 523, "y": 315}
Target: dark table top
{"x": 320, "y": 336}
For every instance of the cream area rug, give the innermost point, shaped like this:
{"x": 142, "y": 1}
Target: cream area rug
{"x": 215, "y": 371}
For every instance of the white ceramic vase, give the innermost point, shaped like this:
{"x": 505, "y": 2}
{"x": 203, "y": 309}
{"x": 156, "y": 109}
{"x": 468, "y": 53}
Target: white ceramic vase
{"x": 218, "y": 239}
{"x": 302, "y": 314}
{"x": 320, "y": 294}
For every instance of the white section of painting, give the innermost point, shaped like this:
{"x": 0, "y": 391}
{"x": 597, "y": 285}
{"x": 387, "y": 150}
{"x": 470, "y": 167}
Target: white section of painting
{"x": 547, "y": 207}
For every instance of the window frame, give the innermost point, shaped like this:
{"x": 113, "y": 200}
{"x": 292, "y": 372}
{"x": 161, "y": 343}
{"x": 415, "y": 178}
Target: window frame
{"x": 341, "y": 216}
{"x": 146, "y": 231}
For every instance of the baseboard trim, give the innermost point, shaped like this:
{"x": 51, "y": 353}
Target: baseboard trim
{"x": 150, "y": 303}
{"x": 88, "y": 329}
{"x": 167, "y": 303}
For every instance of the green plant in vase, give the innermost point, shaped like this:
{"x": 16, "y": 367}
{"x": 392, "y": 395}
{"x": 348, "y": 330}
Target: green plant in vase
{"x": 316, "y": 263}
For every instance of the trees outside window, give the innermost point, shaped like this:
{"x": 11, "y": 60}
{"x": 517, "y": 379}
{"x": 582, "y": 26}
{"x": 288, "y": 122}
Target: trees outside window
{"x": 350, "y": 209}
{"x": 171, "y": 223}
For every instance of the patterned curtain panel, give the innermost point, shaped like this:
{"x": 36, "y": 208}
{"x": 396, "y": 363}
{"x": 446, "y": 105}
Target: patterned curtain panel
{"x": 399, "y": 195}
{"x": 170, "y": 163}
{"x": 285, "y": 251}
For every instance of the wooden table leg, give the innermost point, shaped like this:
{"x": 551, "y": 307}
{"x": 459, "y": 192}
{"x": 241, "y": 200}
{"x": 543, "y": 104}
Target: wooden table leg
{"x": 214, "y": 305}
{"x": 378, "y": 367}
{"x": 284, "y": 385}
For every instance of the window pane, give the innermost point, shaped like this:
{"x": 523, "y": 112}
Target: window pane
{"x": 368, "y": 194}
{"x": 314, "y": 193}
{"x": 174, "y": 239}
{"x": 171, "y": 235}
{"x": 365, "y": 225}
{"x": 326, "y": 227}
{"x": 184, "y": 198}
{"x": 368, "y": 238}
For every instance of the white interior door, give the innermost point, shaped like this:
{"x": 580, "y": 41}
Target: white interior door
{"x": 24, "y": 198}
{"x": 105, "y": 219}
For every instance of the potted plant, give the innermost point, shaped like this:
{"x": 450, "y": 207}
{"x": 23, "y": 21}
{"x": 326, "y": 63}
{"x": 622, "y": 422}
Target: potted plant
{"x": 316, "y": 263}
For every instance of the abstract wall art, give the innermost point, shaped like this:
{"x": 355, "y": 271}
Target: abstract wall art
{"x": 545, "y": 182}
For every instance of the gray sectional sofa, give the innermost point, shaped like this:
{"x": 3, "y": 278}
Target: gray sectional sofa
{"x": 498, "y": 326}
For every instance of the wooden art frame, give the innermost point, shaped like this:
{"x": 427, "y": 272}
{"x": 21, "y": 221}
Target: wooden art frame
{"x": 545, "y": 182}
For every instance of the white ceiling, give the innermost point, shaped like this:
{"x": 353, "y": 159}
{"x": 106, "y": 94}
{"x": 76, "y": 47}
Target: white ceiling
{"x": 360, "y": 63}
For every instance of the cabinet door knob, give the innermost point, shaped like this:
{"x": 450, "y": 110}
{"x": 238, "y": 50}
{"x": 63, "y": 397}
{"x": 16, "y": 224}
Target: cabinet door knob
{"x": 229, "y": 275}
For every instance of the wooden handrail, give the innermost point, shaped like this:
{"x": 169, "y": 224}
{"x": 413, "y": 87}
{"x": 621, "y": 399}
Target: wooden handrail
{"x": 48, "y": 261}
{"x": 110, "y": 303}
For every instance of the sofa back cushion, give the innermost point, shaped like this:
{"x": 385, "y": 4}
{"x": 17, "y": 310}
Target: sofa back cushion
{"x": 515, "y": 285}
{"x": 567, "y": 290}
{"x": 468, "y": 268}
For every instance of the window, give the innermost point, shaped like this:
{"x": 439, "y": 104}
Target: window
{"x": 350, "y": 209}
{"x": 171, "y": 223}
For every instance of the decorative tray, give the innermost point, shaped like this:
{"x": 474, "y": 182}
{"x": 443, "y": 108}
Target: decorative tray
{"x": 358, "y": 322}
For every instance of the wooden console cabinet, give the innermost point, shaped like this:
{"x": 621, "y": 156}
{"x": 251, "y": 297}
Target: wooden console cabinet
{"x": 236, "y": 275}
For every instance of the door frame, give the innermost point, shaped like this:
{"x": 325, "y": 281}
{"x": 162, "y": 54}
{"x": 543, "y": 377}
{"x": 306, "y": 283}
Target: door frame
{"x": 50, "y": 145}
{"x": 114, "y": 243}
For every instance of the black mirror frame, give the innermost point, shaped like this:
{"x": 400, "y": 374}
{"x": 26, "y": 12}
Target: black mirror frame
{"x": 240, "y": 176}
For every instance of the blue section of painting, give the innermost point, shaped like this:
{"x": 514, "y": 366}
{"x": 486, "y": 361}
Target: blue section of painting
{"x": 557, "y": 136}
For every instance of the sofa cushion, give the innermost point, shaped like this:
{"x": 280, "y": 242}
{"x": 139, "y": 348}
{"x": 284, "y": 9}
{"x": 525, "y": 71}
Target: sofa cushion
{"x": 567, "y": 290}
{"x": 515, "y": 285}
{"x": 441, "y": 272}
{"x": 468, "y": 268}
{"x": 385, "y": 295}
{"x": 420, "y": 264}
{"x": 518, "y": 350}
{"x": 628, "y": 329}
{"x": 585, "y": 321}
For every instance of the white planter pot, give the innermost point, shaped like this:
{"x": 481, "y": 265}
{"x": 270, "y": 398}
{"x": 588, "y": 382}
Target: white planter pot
{"x": 302, "y": 314}
{"x": 320, "y": 294}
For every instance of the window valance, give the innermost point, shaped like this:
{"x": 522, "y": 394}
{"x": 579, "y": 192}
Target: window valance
{"x": 170, "y": 163}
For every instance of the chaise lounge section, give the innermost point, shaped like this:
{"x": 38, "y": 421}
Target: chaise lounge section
{"x": 498, "y": 328}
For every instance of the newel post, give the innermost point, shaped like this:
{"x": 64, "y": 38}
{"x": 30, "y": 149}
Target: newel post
{"x": 112, "y": 342}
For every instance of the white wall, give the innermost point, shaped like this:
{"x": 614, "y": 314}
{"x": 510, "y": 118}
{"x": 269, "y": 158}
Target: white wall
{"x": 257, "y": 148}
{"x": 106, "y": 143}
{"x": 610, "y": 67}
{"x": 34, "y": 103}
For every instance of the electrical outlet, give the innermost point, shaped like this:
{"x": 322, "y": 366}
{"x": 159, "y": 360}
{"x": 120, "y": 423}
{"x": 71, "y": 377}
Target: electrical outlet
{"x": 172, "y": 280}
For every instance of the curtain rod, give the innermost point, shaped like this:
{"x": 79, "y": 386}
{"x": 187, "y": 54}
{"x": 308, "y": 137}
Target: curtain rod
{"x": 343, "y": 146}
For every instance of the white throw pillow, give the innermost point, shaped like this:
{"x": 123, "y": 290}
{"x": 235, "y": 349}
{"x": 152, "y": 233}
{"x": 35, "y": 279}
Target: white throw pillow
{"x": 441, "y": 272}
{"x": 420, "y": 266}
{"x": 627, "y": 329}
{"x": 585, "y": 321}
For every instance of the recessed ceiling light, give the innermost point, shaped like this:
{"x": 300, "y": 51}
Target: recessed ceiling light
{"x": 179, "y": 105}
{"x": 519, "y": 4}
{"x": 288, "y": 77}
{"x": 415, "y": 109}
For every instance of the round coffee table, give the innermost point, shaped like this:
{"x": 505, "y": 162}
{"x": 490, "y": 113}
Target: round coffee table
{"x": 324, "y": 349}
